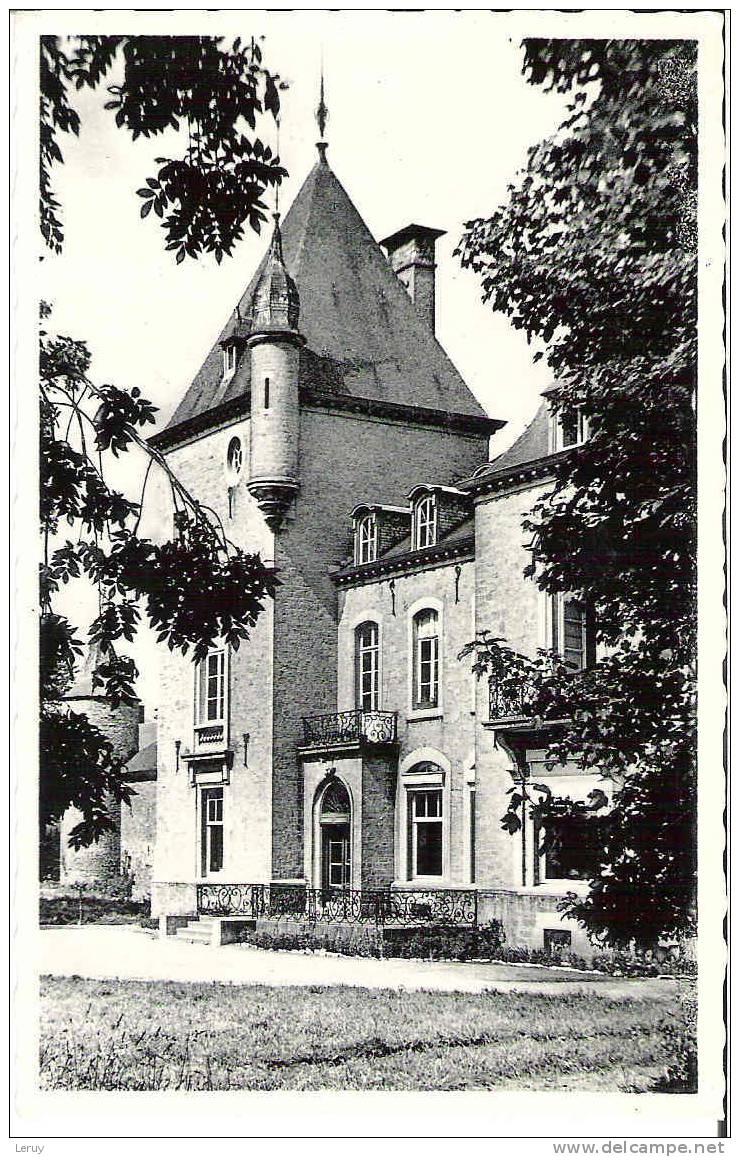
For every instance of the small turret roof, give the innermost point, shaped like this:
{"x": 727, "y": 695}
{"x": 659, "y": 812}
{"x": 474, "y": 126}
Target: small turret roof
{"x": 364, "y": 337}
{"x": 275, "y": 303}
{"x": 83, "y": 684}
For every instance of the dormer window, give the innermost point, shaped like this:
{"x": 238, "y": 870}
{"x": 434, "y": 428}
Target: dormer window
{"x": 571, "y": 428}
{"x": 229, "y": 359}
{"x": 366, "y": 548}
{"x": 425, "y": 522}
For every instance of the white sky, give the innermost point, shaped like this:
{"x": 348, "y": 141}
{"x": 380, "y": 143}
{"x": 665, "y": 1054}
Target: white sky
{"x": 430, "y": 119}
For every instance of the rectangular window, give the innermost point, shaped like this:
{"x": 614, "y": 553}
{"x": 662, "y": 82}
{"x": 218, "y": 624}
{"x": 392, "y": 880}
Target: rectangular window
{"x": 425, "y": 833}
{"x": 211, "y": 689}
{"x": 428, "y": 671}
{"x": 571, "y": 854}
{"x": 556, "y": 941}
{"x": 571, "y": 429}
{"x": 426, "y": 522}
{"x": 229, "y": 359}
{"x": 572, "y": 636}
{"x": 212, "y": 802}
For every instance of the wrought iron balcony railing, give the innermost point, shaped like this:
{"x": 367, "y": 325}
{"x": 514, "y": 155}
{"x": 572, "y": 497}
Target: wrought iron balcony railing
{"x": 345, "y": 727}
{"x": 509, "y": 699}
{"x": 454, "y": 907}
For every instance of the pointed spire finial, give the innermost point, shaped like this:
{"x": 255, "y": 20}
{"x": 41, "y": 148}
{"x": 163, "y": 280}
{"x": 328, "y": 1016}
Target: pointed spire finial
{"x": 322, "y": 116}
{"x": 276, "y": 214}
{"x": 276, "y": 243}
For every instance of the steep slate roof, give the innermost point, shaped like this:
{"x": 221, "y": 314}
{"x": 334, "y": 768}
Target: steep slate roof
{"x": 144, "y": 763}
{"x": 364, "y": 337}
{"x": 461, "y": 532}
{"x": 531, "y": 457}
{"x": 532, "y": 443}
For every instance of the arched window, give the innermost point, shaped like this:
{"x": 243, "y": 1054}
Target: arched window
{"x": 335, "y": 835}
{"x": 367, "y": 667}
{"x": 425, "y": 522}
{"x": 367, "y": 539}
{"x": 335, "y": 803}
{"x": 426, "y": 659}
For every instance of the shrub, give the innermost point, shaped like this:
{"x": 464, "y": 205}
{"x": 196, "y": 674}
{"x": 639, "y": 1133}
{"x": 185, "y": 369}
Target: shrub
{"x": 96, "y": 902}
{"x": 311, "y": 940}
{"x": 681, "y": 1075}
{"x": 621, "y": 963}
{"x": 439, "y": 942}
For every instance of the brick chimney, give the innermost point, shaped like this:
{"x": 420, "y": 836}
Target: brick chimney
{"x": 410, "y": 254}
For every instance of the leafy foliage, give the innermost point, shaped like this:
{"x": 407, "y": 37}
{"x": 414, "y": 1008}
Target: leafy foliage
{"x": 181, "y": 84}
{"x": 595, "y": 254}
{"x": 79, "y": 769}
{"x": 194, "y": 590}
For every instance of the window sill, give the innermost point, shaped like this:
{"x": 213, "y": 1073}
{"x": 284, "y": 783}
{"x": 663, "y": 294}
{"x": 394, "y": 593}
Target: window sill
{"x": 420, "y": 884}
{"x": 424, "y": 713}
{"x": 558, "y": 887}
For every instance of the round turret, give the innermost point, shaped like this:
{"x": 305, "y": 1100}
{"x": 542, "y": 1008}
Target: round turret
{"x": 102, "y": 859}
{"x": 274, "y": 343}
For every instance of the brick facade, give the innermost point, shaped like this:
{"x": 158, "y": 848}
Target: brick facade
{"x": 288, "y": 668}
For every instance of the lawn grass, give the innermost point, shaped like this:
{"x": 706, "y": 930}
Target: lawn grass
{"x": 140, "y": 1035}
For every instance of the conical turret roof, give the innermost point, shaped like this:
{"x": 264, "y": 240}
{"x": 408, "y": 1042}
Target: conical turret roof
{"x": 364, "y": 337}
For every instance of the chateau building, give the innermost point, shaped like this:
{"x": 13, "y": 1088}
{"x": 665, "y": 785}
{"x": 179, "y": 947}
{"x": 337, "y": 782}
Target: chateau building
{"x": 345, "y": 750}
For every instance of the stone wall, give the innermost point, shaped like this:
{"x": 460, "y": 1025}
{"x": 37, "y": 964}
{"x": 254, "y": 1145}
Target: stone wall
{"x": 138, "y": 835}
{"x": 344, "y": 460}
{"x": 525, "y": 917}
{"x": 102, "y": 859}
{"x": 202, "y": 466}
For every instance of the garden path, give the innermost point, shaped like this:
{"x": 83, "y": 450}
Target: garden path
{"x": 126, "y": 951}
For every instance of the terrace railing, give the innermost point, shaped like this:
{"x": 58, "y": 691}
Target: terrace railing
{"x": 234, "y": 900}
{"x": 350, "y": 727}
{"x": 453, "y": 907}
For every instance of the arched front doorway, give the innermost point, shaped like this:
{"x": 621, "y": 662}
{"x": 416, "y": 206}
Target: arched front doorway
{"x": 335, "y": 827}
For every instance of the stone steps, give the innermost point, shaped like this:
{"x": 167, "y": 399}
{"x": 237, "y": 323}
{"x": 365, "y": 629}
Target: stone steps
{"x": 213, "y": 930}
{"x": 198, "y": 931}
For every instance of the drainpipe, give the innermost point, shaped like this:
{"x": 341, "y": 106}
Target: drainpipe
{"x": 525, "y": 776}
